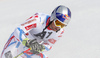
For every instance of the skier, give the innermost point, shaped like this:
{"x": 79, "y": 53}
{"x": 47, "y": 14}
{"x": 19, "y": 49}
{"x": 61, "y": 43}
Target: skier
{"x": 37, "y": 34}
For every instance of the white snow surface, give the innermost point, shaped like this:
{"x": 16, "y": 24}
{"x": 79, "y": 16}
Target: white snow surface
{"x": 81, "y": 38}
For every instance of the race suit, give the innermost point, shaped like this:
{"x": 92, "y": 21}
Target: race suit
{"x": 32, "y": 28}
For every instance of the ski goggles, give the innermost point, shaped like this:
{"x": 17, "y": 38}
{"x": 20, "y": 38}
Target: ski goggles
{"x": 59, "y": 24}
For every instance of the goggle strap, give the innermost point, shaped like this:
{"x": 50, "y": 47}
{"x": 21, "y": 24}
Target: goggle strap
{"x": 48, "y": 25}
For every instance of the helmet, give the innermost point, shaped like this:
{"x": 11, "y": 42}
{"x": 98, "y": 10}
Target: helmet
{"x": 62, "y": 13}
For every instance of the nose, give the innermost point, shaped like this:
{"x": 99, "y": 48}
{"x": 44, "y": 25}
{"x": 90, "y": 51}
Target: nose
{"x": 57, "y": 28}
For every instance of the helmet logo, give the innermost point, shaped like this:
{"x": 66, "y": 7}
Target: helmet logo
{"x": 65, "y": 16}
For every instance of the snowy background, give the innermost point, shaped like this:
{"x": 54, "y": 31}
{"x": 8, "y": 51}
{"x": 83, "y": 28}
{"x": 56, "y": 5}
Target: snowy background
{"x": 82, "y": 36}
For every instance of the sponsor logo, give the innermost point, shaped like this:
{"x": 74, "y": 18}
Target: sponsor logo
{"x": 46, "y": 43}
{"x": 28, "y": 22}
{"x": 36, "y": 16}
{"x": 52, "y": 41}
{"x": 31, "y": 26}
{"x": 65, "y": 16}
{"x": 30, "y": 17}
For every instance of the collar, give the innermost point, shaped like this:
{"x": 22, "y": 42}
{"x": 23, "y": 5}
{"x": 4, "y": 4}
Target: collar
{"x": 47, "y": 22}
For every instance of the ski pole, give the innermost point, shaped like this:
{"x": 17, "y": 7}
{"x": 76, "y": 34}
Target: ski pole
{"x": 26, "y": 50}
{"x": 22, "y": 53}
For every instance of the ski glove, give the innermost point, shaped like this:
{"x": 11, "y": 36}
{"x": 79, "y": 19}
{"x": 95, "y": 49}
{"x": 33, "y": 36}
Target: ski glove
{"x": 36, "y": 48}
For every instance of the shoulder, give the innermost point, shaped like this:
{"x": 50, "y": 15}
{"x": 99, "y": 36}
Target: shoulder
{"x": 42, "y": 17}
{"x": 39, "y": 17}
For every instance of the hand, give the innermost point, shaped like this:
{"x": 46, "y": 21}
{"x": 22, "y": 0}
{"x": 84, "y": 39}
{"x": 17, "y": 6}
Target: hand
{"x": 36, "y": 48}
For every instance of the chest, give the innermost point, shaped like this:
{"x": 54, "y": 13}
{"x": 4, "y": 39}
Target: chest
{"x": 39, "y": 34}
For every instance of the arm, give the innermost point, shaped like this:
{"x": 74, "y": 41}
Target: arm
{"x": 25, "y": 27}
{"x": 30, "y": 23}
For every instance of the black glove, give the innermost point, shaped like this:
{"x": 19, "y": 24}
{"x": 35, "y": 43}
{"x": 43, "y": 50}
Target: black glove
{"x": 36, "y": 48}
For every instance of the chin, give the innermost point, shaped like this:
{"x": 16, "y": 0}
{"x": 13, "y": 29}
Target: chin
{"x": 53, "y": 29}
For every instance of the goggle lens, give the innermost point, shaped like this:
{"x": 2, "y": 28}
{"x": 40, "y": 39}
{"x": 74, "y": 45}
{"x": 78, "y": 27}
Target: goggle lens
{"x": 58, "y": 23}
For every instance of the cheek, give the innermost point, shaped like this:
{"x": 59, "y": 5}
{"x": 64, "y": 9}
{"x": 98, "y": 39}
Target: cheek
{"x": 53, "y": 25}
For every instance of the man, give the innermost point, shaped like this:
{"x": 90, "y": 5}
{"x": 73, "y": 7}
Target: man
{"x": 37, "y": 34}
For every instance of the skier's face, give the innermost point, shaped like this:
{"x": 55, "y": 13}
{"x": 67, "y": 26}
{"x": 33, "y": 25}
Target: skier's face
{"x": 53, "y": 27}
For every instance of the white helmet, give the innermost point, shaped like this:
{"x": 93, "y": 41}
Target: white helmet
{"x": 62, "y": 13}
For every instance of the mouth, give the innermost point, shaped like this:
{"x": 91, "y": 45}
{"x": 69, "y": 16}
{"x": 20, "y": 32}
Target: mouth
{"x": 56, "y": 29}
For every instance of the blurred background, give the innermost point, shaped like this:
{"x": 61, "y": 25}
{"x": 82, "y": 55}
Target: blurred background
{"x": 81, "y": 38}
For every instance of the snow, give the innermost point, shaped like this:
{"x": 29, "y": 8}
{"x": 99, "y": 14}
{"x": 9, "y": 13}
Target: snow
{"x": 81, "y": 38}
